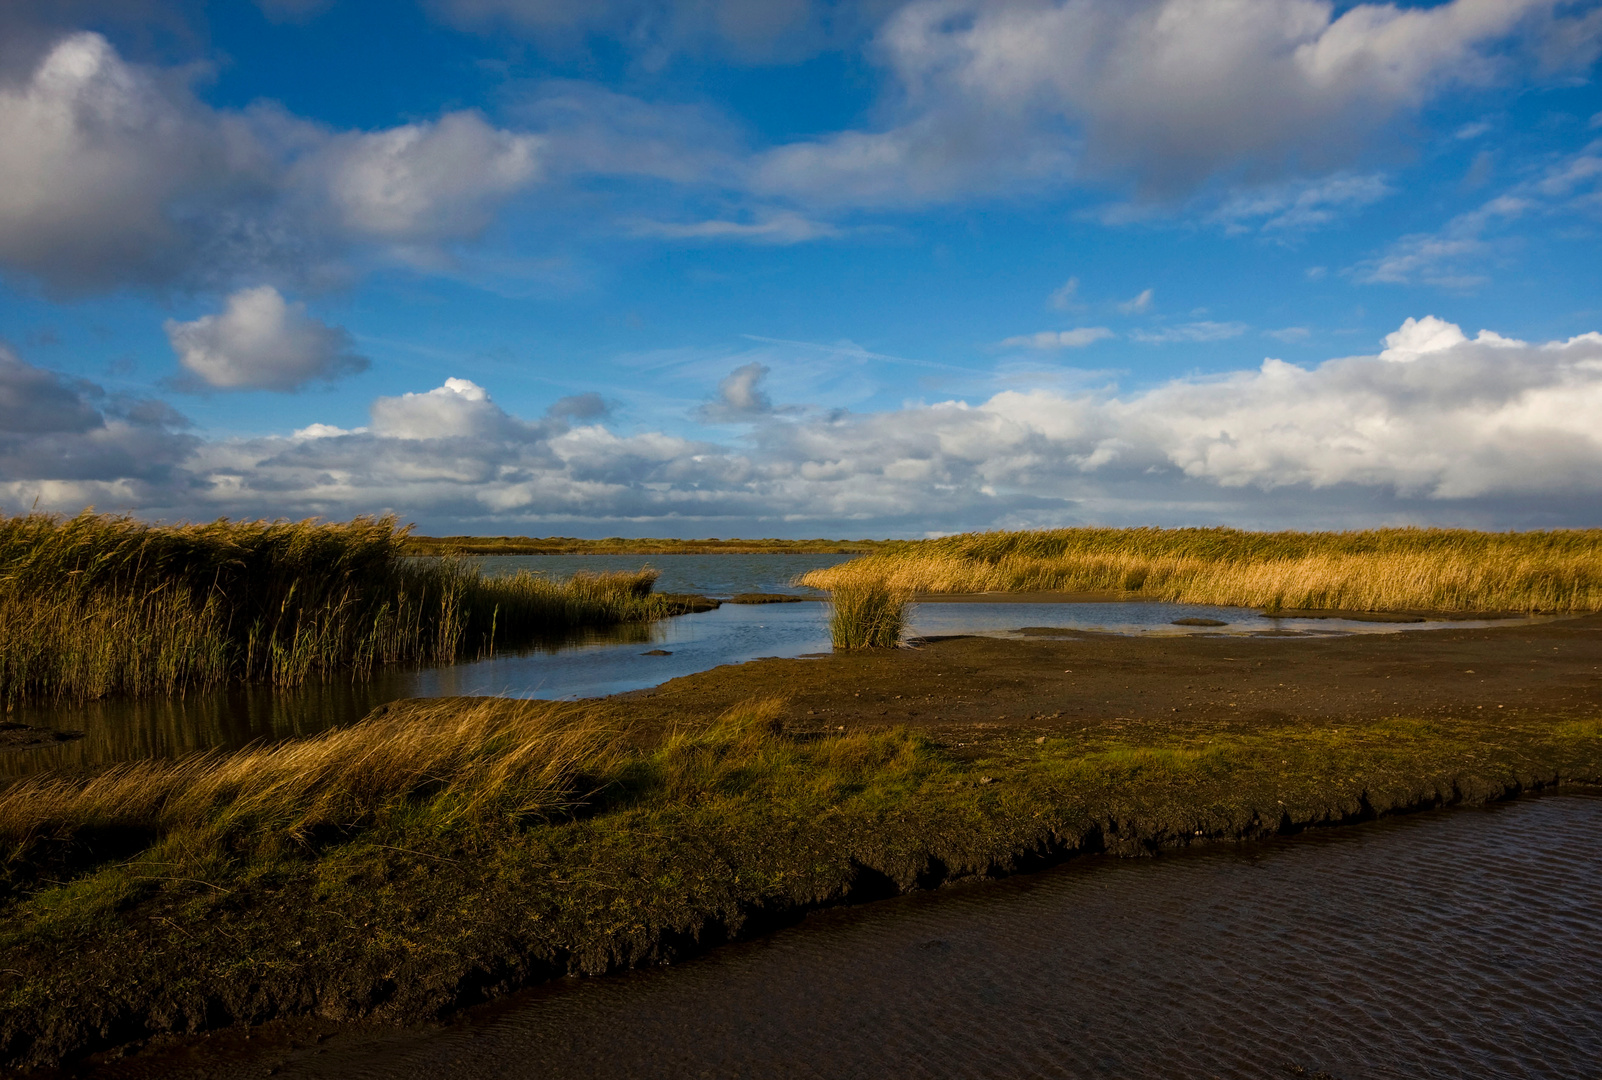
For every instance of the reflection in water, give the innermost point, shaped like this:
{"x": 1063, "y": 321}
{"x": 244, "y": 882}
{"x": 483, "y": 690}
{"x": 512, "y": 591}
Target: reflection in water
{"x": 585, "y": 664}
{"x": 1466, "y": 943}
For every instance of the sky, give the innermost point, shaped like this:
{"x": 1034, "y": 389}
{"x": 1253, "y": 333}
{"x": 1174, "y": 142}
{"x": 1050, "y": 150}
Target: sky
{"x": 793, "y": 269}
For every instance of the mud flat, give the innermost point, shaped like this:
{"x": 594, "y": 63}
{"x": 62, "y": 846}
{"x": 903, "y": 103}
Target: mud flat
{"x": 863, "y": 775}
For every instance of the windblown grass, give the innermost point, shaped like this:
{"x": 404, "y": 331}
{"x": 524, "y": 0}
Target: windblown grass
{"x": 98, "y": 605}
{"x": 866, "y": 614}
{"x": 493, "y": 758}
{"x": 1376, "y": 570}
{"x": 424, "y": 768}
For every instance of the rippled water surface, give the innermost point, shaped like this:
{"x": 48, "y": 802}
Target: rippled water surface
{"x": 1463, "y": 943}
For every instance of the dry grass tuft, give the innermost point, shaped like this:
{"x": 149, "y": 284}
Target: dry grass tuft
{"x": 1377, "y": 570}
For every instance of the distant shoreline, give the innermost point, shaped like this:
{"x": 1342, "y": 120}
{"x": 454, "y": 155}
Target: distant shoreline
{"x": 618, "y": 545}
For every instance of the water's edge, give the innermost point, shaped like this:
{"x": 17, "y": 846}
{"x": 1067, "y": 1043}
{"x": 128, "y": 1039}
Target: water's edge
{"x": 479, "y": 984}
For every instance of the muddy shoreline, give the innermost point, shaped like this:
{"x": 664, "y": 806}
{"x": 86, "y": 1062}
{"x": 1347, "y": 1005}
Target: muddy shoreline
{"x": 1483, "y": 706}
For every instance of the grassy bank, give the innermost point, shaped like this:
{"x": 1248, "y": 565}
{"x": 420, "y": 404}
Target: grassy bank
{"x": 620, "y": 545}
{"x": 441, "y": 853}
{"x": 96, "y": 605}
{"x": 1377, "y": 570}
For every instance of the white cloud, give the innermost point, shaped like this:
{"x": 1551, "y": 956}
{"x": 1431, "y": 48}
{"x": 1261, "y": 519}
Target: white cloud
{"x": 1059, "y": 339}
{"x": 740, "y": 395}
{"x": 456, "y": 410}
{"x": 1289, "y": 334}
{"x": 784, "y": 227}
{"x": 260, "y": 342}
{"x": 1435, "y": 427}
{"x": 113, "y": 174}
{"x": 1139, "y": 303}
{"x": 1066, "y": 296}
{"x": 1195, "y": 331}
{"x": 108, "y": 171}
{"x": 1172, "y": 92}
{"x": 423, "y": 182}
{"x": 1298, "y": 207}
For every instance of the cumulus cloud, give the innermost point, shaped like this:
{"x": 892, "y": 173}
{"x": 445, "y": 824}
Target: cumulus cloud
{"x": 59, "y": 430}
{"x": 109, "y": 172}
{"x": 260, "y": 342}
{"x": 424, "y": 182}
{"x": 1176, "y": 91}
{"x": 1436, "y": 426}
{"x": 740, "y": 396}
{"x": 113, "y": 174}
{"x": 1059, "y": 339}
{"x": 1169, "y": 94}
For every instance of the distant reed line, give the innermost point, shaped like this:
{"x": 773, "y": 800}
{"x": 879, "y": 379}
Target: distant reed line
{"x": 98, "y": 605}
{"x": 1448, "y": 570}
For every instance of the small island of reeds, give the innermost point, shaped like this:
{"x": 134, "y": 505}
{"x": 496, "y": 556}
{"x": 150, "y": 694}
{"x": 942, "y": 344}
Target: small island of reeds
{"x": 1404, "y": 569}
{"x": 98, "y": 605}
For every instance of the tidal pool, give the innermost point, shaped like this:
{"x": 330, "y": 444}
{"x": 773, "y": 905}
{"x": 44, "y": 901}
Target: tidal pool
{"x": 1461, "y": 943}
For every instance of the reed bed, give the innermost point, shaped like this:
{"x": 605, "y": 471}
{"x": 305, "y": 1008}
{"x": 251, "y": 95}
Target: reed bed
{"x": 1446, "y": 570}
{"x": 97, "y": 605}
{"x": 491, "y": 759}
{"x": 866, "y": 614}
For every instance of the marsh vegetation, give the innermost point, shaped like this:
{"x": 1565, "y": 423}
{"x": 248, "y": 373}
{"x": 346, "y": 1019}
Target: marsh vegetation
{"x": 97, "y": 605}
{"x": 443, "y": 851}
{"x": 866, "y": 614}
{"x": 1443, "y": 570}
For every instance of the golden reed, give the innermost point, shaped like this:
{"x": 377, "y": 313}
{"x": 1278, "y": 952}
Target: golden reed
{"x": 1377, "y": 570}
{"x": 96, "y": 604}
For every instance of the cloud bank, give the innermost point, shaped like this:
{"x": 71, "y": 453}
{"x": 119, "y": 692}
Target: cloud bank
{"x": 1436, "y": 427}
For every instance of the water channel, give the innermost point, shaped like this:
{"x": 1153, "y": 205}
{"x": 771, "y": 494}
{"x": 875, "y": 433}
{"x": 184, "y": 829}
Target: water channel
{"x": 1454, "y": 944}
{"x": 598, "y": 662}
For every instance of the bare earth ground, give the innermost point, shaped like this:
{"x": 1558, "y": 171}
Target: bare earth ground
{"x": 965, "y": 691}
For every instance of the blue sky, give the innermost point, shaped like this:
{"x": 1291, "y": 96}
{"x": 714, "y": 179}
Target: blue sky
{"x": 796, "y": 269}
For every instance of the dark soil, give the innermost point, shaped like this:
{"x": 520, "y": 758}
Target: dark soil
{"x": 953, "y": 687}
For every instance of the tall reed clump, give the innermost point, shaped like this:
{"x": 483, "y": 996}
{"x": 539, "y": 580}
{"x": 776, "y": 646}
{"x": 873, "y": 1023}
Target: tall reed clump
{"x": 866, "y": 614}
{"x": 97, "y": 605}
{"x": 1375, "y": 570}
